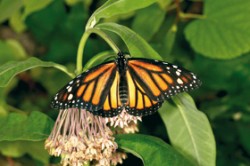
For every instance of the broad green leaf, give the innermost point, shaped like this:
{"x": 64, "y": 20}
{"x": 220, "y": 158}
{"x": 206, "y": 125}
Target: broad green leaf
{"x": 189, "y": 130}
{"x": 137, "y": 46}
{"x": 19, "y": 148}
{"x": 115, "y": 7}
{"x": 148, "y": 21}
{"x": 10, "y": 69}
{"x": 151, "y": 150}
{"x": 31, "y": 6}
{"x": 225, "y": 30}
{"x": 35, "y": 127}
{"x": 8, "y": 8}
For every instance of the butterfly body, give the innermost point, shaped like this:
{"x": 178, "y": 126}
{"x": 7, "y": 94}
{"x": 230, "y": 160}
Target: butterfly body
{"x": 123, "y": 86}
{"x": 137, "y": 85}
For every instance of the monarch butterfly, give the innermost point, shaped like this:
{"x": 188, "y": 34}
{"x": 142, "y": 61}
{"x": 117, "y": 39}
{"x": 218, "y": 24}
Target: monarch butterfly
{"x": 137, "y": 85}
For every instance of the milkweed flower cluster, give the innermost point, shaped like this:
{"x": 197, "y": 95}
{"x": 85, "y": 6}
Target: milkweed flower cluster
{"x": 80, "y": 137}
{"x": 123, "y": 120}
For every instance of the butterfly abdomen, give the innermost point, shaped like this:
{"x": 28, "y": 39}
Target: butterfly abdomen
{"x": 123, "y": 90}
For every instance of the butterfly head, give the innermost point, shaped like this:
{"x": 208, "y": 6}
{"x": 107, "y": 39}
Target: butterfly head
{"x": 122, "y": 62}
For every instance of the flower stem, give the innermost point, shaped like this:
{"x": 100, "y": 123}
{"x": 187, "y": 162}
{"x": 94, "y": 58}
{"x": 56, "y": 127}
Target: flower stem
{"x": 83, "y": 43}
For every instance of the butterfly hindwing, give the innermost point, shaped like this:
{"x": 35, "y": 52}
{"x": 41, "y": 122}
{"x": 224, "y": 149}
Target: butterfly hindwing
{"x": 159, "y": 79}
{"x": 88, "y": 90}
{"x": 139, "y": 103}
{"x": 112, "y": 104}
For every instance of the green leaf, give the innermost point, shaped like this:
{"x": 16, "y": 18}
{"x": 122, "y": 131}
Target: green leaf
{"x": 31, "y": 6}
{"x": 19, "y": 148}
{"x": 169, "y": 40}
{"x": 10, "y": 69}
{"x": 11, "y": 50}
{"x": 151, "y": 150}
{"x": 164, "y": 3}
{"x": 224, "y": 32}
{"x": 8, "y": 8}
{"x": 115, "y": 7}
{"x": 35, "y": 127}
{"x": 17, "y": 23}
{"x": 189, "y": 130}
{"x": 148, "y": 21}
{"x": 137, "y": 46}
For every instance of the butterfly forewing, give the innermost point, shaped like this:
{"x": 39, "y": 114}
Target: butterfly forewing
{"x": 88, "y": 90}
{"x": 159, "y": 79}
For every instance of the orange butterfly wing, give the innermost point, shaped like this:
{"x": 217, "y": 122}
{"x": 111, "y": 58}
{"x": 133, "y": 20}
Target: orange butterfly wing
{"x": 112, "y": 103}
{"x": 150, "y": 82}
{"x": 90, "y": 90}
{"x": 139, "y": 103}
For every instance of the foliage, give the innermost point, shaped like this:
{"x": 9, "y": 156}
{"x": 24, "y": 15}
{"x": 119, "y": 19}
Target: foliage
{"x": 48, "y": 35}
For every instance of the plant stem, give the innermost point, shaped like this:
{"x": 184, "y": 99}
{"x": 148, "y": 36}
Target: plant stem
{"x": 80, "y": 52}
{"x": 82, "y": 44}
{"x": 191, "y": 15}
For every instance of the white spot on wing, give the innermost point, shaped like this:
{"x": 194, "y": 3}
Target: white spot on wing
{"x": 174, "y": 66}
{"x": 178, "y": 73}
{"x": 70, "y": 88}
{"x": 179, "y": 81}
{"x": 70, "y": 96}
